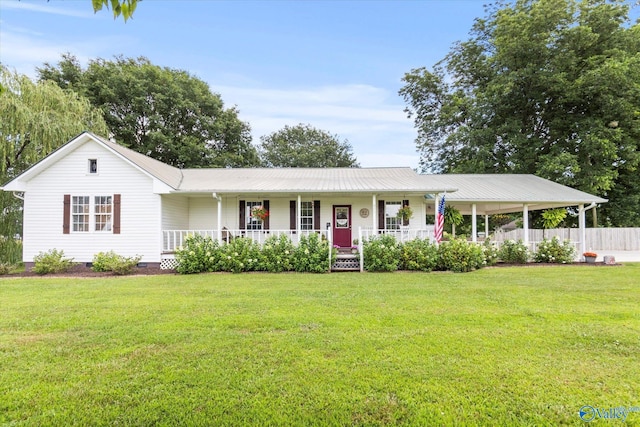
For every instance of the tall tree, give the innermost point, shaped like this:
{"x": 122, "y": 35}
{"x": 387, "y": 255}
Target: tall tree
{"x": 304, "y": 146}
{"x": 549, "y": 87}
{"x": 35, "y": 119}
{"x": 164, "y": 113}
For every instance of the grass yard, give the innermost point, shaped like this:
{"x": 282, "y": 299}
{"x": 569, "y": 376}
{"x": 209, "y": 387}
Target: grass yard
{"x": 501, "y": 346}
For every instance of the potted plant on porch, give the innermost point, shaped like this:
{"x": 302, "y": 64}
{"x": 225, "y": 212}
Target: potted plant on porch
{"x": 259, "y": 212}
{"x": 590, "y": 257}
{"x": 404, "y": 213}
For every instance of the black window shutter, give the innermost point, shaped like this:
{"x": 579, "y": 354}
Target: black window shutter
{"x": 243, "y": 217}
{"x": 381, "y": 224}
{"x": 116, "y": 214}
{"x": 292, "y": 215}
{"x": 405, "y": 221}
{"x": 316, "y": 214}
{"x": 66, "y": 214}
{"x": 265, "y": 223}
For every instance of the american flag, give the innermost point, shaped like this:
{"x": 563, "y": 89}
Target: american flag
{"x": 437, "y": 232}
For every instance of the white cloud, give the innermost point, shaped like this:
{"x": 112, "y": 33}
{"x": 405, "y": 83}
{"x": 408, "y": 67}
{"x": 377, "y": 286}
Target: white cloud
{"x": 44, "y": 8}
{"x": 24, "y": 52}
{"x": 370, "y": 118}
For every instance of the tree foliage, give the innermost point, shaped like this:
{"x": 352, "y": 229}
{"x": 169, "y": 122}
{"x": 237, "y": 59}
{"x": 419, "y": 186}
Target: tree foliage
{"x": 164, "y": 113}
{"x": 35, "y": 119}
{"x": 304, "y": 146}
{"x": 119, "y": 7}
{"x": 549, "y": 87}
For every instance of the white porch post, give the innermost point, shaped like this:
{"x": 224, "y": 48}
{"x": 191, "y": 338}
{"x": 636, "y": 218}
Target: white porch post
{"x": 374, "y": 213}
{"x": 474, "y": 224}
{"x": 219, "y": 228}
{"x": 525, "y": 224}
{"x": 583, "y": 230}
{"x": 299, "y": 215}
{"x": 486, "y": 226}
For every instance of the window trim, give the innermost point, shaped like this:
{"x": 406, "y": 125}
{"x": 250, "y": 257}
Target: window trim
{"x": 108, "y": 215}
{"x": 310, "y": 217}
{"x": 86, "y": 213}
{"x": 92, "y": 214}
{"x": 90, "y": 169}
{"x": 250, "y": 223}
{"x": 387, "y": 217}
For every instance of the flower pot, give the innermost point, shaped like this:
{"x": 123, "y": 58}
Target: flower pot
{"x": 590, "y": 259}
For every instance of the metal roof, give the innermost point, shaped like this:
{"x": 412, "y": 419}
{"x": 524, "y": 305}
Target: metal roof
{"x": 305, "y": 180}
{"x": 519, "y": 188}
{"x": 490, "y": 193}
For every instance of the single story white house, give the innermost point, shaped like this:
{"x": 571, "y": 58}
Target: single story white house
{"x": 93, "y": 195}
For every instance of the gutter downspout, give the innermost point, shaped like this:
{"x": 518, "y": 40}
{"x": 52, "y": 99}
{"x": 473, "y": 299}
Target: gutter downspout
{"x": 17, "y": 196}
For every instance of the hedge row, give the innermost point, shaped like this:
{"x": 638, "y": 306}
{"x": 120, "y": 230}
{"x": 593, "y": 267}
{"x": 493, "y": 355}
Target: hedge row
{"x": 203, "y": 254}
{"x": 384, "y": 253}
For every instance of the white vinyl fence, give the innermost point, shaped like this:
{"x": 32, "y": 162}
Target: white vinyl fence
{"x": 613, "y": 239}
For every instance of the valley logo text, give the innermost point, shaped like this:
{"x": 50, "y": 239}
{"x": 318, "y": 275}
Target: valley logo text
{"x": 589, "y": 413}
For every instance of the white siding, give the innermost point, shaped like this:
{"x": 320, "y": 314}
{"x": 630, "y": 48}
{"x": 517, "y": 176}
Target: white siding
{"x": 203, "y": 213}
{"x": 140, "y": 221}
{"x": 175, "y": 212}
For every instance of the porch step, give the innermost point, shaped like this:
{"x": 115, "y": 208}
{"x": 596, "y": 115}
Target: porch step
{"x": 346, "y": 262}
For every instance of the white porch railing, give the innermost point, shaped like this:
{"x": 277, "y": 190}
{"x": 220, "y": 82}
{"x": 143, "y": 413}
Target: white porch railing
{"x": 404, "y": 234}
{"x": 173, "y": 239}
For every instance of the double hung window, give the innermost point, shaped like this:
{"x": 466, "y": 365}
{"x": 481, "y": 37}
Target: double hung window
{"x": 391, "y": 220}
{"x": 80, "y": 213}
{"x": 87, "y": 216}
{"x": 306, "y": 215}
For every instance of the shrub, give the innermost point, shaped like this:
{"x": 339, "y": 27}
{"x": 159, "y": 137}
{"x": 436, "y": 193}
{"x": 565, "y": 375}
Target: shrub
{"x": 52, "y": 261}
{"x": 111, "y": 261}
{"x": 5, "y": 268}
{"x": 198, "y": 255}
{"x": 513, "y": 252}
{"x": 241, "y": 254}
{"x": 555, "y": 251}
{"x": 381, "y": 253}
{"x": 490, "y": 252}
{"x": 312, "y": 254}
{"x": 277, "y": 254}
{"x": 460, "y": 256}
{"x": 419, "y": 255}
{"x": 102, "y": 261}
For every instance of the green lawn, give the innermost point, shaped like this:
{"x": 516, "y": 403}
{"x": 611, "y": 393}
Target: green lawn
{"x": 501, "y": 346}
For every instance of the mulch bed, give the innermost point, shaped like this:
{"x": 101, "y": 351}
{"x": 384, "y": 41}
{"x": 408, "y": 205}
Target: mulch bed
{"x": 82, "y": 270}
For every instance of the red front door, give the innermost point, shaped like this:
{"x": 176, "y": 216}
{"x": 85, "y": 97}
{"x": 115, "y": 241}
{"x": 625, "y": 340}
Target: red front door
{"x": 342, "y": 225}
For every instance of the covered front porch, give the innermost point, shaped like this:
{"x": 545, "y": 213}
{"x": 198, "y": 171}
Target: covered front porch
{"x": 344, "y": 220}
{"x": 483, "y": 211}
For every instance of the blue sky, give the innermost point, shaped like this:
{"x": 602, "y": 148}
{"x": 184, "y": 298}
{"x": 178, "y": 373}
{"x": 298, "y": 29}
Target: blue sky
{"x": 336, "y": 65}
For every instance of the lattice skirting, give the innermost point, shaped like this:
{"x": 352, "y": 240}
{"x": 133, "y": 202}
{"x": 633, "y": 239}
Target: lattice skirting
{"x": 350, "y": 263}
{"x": 168, "y": 264}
